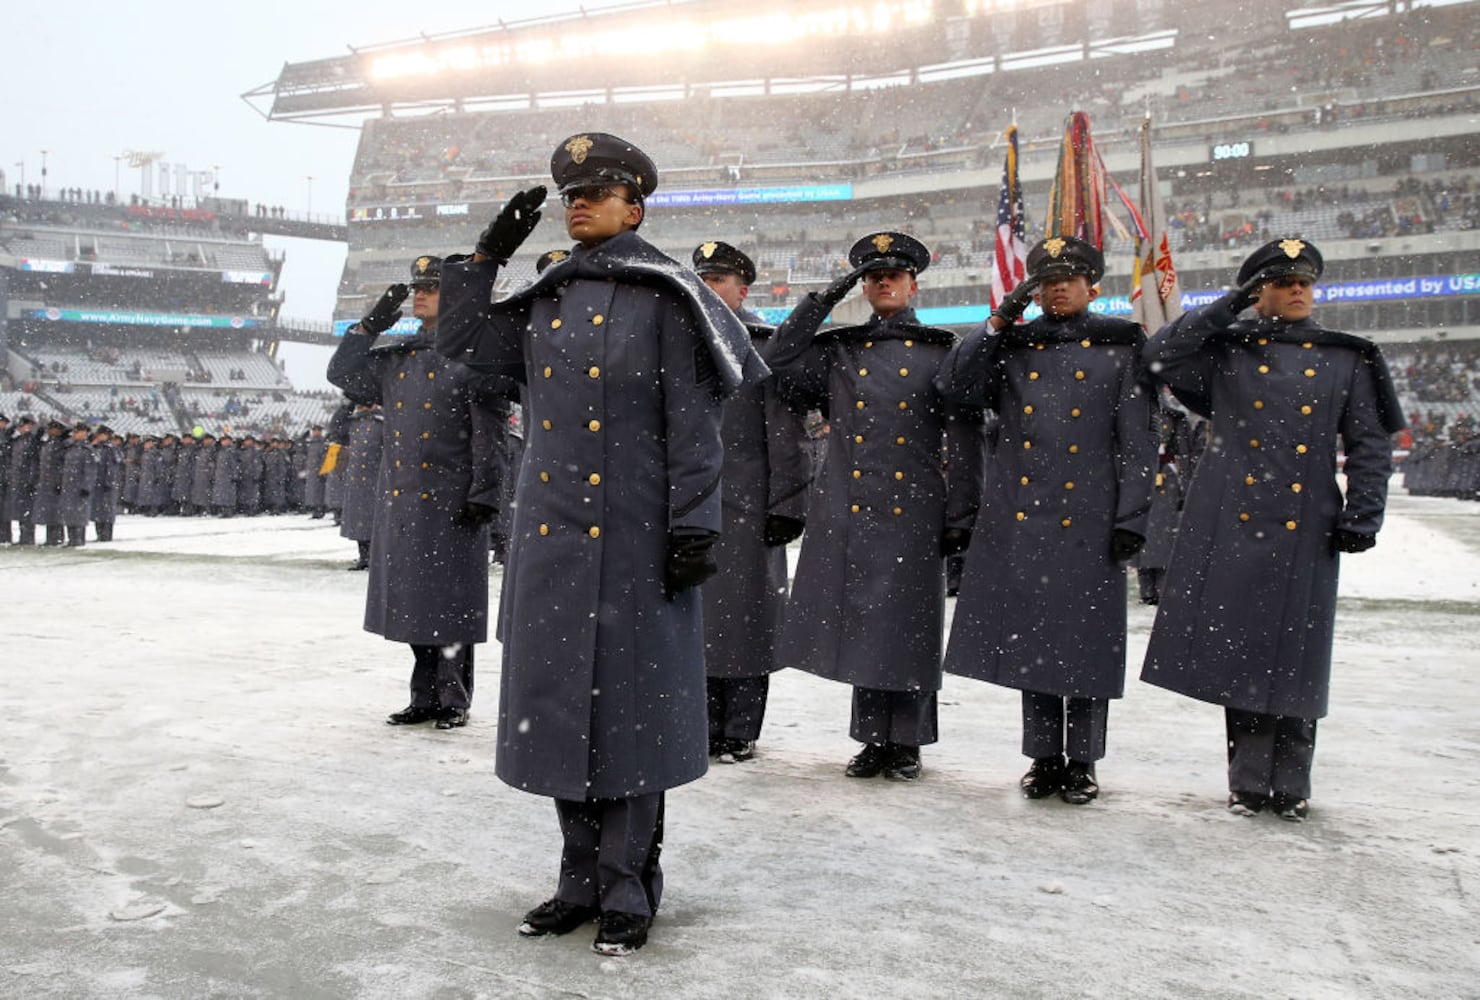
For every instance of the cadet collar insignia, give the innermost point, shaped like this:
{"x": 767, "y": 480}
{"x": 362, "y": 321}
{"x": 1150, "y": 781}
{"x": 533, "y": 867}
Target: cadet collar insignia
{"x": 578, "y": 147}
{"x": 556, "y": 256}
{"x": 422, "y": 263}
{"x": 1292, "y": 248}
{"x": 708, "y": 250}
{"x": 1054, "y": 246}
{"x": 883, "y": 242}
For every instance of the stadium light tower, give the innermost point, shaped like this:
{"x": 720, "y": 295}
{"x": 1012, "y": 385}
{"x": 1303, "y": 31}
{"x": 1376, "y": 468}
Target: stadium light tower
{"x": 310, "y": 195}
{"x": 43, "y": 174}
{"x": 117, "y": 166}
{"x": 21, "y": 166}
{"x": 216, "y": 179}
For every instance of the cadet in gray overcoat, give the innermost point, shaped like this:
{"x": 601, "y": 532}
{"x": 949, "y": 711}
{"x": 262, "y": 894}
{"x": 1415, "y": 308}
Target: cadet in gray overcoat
{"x": 5, "y": 437}
{"x": 767, "y": 469}
{"x": 79, "y": 478}
{"x": 1179, "y": 436}
{"x": 108, "y": 449}
{"x": 276, "y": 467}
{"x": 47, "y": 510}
{"x": 313, "y": 486}
{"x": 868, "y": 602}
{"x": 225, "y": 477}
{"x": 249, "y": 487}
{"x": 23, "y": 469}
{"x": 361, "y": 458}
{"x": 625, "y": 357}
{"x": 203, "y": 474}
{"x": 442, "y": 450}
{"x": 1247, "y": 616}
{"x": 1042, "y": 606}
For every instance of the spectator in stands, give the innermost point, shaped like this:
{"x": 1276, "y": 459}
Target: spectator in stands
{"x": 868, "y": 604}
{"x": 767, "y": 470}
{"x": 625, "y": 357}
{"x": 1265, "y": 521}
{"x": 438, "y": 487}
{"x": 1042, "y": 606}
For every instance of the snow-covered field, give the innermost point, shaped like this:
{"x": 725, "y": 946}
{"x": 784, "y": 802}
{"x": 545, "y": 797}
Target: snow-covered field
{"x": 199, "y": 798}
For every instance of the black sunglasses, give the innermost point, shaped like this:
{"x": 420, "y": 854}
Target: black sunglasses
{"x": 593, "y": 193}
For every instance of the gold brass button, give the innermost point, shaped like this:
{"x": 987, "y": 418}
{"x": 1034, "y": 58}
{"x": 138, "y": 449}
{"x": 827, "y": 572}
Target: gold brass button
{"x": 1310, "y": 373}
{"x": 395, "y": 493}
{"x": 1028, "y": 408}
{"x": 399, "y": 404}
{"x": 544, "y": 477}
{"x": 1027, "y": 446}
{"x": 1074, "y": 412}
{"x": 398, "y": 433}
{"x": 413, "y": 354}
{"x": 1263, "y": 341}
{"x": 546, "y": 424}
{"x": 1038, "y": 347}
{"x": 909, "y": 343}
{"x": 398, "y": 463}
{"x": 1084, "y": 342}
{"x": 426, "y": 465}
{"x": 1305, "y": 410}
{"x": 1079, "y": 375}
{"x": 1301, "y": 449}
{"x": 1022, "y": 516}
{"x": 858, "y": 439}
{"x": 1074, "y": 449}
{"x": 1032, "y": 376}
{"x": 903, "y": 405}
{"x": 544, "y": 529}
{"x": 1264, "y": 369}
{"x": 1296, "y": 487}
{"x": 1253, "y": 442}
{"x": 594, "y": 372}
{"x": 594, "y": 425}
{"x": 868, "y": 343}
{"x": 1243, "y": 517}
{"x": 431, "y": 375}
{"x": 401, "y": 375}
{"x": 426, "y": 406}
{"x": 426, "y": 496}
{"x": 597, "y": 320}
{"x": 1249, "y": 480}
{"x": 863, "y": 372}
{"x": 555, "y": 323}
{"x": 1068, "y": 486}
{"x": 1024, "y": 480}
{"x": 899, "y": 475}
{"x": 898, "y": 511}
{"x": 549, "y": 371}
{"x": 1290, "y": 525}
{"x": 855, "y": 508}
{"x": 1307, "y": 345}
{"x": 857, "y": 473}
{"x": 425, "y": 435}
{"x": 899, "y": 440}
{"x": 594, "y": 531}
{"x": 859, "y": 404}
{"x": 1067, "y": 521}
{"x": 903, "y": 372}
{"x": 594, "y": 479}
{"x": 1258, "y": 404}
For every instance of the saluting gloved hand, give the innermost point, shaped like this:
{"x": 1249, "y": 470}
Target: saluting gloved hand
{"x": 1346, "y": 540}
{"x": 512, "y": 226}
{"x": 690, "y": 562}
{"x": 1244, "y": 295}
{"x": 1012, "y": 307}
{"x": 474, "y": 515}
{"x": 1124, "y": 544}
{"x": 781, "y": 529}
{"x": 385, "y": 313}
{"x": 838, "y": 290}
{"x": 954, "y": 541}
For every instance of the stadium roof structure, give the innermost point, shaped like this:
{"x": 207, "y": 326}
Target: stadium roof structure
{"x": 673, "y": 49}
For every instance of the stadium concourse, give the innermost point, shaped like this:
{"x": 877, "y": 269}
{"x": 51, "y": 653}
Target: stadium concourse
{"x": 199, "y": 797}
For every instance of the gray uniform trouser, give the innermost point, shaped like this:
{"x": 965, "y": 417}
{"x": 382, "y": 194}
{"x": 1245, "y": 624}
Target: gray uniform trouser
{"x": 907, "y": 718}
{"x": 610, "y": 857}
{"x": 1074, "y": 727}
{"x": 1269, "y": 754}
{"x": 443, "y": 676}
{"x": 737, "y": 706}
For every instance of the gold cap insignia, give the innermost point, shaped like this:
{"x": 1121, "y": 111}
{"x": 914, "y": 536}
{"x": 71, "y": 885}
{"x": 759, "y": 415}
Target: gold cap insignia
{"x": 1054, "y": 246}
{"x": 1292, "y": 248}
{"x": 578, "y": 147}
{"x": 883, "y": 242}
{"x": 422, "y": 263}
{"x": 556, "y": 256}
{"x": 708, "y": 250}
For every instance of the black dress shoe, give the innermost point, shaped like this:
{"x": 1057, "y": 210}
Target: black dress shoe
{"x": 1043, "y": 779}
{"x": 733, "y": 751}
{"x": 621, "y": 933}
{"x": 869, "y": 761}
{"x": 452, "y": 718}
{"x": 1288, "y": 807}
{"x": 556, "y": 916}
{"x": 1079, "y": 783}
{"x": 1246, "y": 803}
{"x": 904, "y": 763}
{"x": 356, "y": 566}
{"x": 410, "y": 716}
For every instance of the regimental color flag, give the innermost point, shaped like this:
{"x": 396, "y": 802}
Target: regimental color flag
{"x": 1156, "y": 294}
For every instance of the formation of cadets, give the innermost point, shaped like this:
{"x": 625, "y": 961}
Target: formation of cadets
{"x": 665, "y": 444}
{"x": 1446, "y": 468}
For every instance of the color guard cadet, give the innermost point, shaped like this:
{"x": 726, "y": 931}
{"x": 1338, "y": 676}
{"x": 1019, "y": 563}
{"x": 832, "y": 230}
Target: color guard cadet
{"x": 767, "y": 470}
{"x": 1247, "y": 616}
{"x": 438, "y": 486}
{"x": 1042, "y": 606}
{"x": 868, "y": 602}
{"x": 624, "y": 357}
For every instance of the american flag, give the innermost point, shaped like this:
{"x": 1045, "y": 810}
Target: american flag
{"x": 1012, "y": 250}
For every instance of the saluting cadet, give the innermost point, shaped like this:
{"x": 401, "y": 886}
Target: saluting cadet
{"x": 1042, "y": 606}
{"x": 1247, "y": 616}
{"x": 766, "y": 472}
{"x": 23, "y": 468}
{"x": 624, "y": 356}
{"x": 868, "y": 602}
{"x": 361, "y": 459}
{"x": 438, "y": 484}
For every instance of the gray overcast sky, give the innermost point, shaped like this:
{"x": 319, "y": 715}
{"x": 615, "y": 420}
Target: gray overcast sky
{"x": 90, "y": 79}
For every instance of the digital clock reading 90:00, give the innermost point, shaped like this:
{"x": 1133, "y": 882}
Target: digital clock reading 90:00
{"x": 1233, "y": 151}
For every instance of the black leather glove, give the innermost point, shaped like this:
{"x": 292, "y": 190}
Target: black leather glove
{"x": 1125, "y": 544}
{"x": 1244, "y": 295}
{"x": 690, "y": 562}
{"x": 838, "y": 290}
{"x": 474, "y": 515}
{"x": 1011, "y": 308}
{"x": 385, "y": 312}
{"x": 781, "y": 529}
{"x": 1346, "y": 540}
{"x": 954, "y": 541}
{"x": 512, "y": 226}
